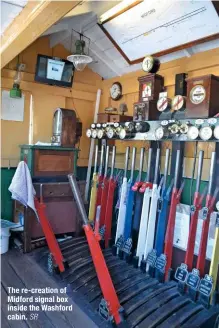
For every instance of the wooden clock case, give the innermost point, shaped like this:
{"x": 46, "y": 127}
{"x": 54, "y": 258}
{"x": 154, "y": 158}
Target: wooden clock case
{"x": 209, "y": 107}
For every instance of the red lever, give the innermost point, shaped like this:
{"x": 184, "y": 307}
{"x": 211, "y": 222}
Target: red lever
{"x": 137, "y": 185}
{"x": 168, "y": 249}
{"x": 192, "y": 232}
{"x": 49, "y": 234}
{"x": 145, "y": 185}
{"x": 103, "y": 275}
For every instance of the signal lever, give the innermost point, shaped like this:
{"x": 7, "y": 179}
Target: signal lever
{"x": 109, "y": 306}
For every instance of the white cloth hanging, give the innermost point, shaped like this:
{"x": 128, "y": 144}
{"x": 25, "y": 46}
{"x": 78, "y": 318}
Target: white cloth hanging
{"x": 22, "y": 188}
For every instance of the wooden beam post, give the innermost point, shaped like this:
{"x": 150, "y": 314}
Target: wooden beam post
{"x": 30, "y": 24}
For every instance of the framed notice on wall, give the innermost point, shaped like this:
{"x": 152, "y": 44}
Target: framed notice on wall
{"x": 12, "y": 108}
{"x": 161, "y": 27}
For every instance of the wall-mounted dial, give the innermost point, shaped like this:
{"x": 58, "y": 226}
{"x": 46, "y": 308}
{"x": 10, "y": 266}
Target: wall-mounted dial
{"x": 174, "y": 128}
{"x": 205, "y": 133}
{"x": 110, "y": 133}
{"x": 159, "y": 133}
{"x": 193, "y": 132}
{"x": 122, "y": 134}
{"x": 216, "y": 132}
{"x": 150, "y": 64}
{"x": 179, "y": 103}
{"x": 116, "y": 91}
{"x": 88, "y": 133}
{"x": 130, "y": 126}
{"x": 197, "y": 94}
{"x": 183, "y": 128}
{"x": 94, "y": 134}
{"x": 142, "y": 127}
{"x": 163, "y": 104}
{"x": 100, "y": 134}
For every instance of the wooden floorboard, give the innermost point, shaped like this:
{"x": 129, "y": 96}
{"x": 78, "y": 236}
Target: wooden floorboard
{"x": 20, "y": 271}
{"x": 11, "y": 278}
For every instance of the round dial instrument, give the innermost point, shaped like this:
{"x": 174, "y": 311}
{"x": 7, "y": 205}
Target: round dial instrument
{"x": 174, "y": 129}
{"x": 88, "y": 133}
{"x": 118, "y": 130}
{"x": 94, "y": 134}
{"x": 142, "y": 127}
{"x": 93, "y": 125}
{"x": 216, "y": 132}
{"x": 163, "y": 104}
{"x": 183, "y": 128}
{"x": 150, "y": 64}
{"x": 122, "y": 134}
{"x": 159, "y": 133}
{"x": 110, "y": 133}
{"x": 178, "y": 103}
{"x": 116, "y": 91}
{"x": 193, "y": 132}
{"x": 130, "y": 126}
{"x": 197, "y": 94}
{"x": 205, "y": 133}
{"x": 100, "y": 134}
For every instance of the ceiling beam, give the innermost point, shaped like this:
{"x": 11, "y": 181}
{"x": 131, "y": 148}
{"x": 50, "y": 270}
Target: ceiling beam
{"x": 33, "y": 21}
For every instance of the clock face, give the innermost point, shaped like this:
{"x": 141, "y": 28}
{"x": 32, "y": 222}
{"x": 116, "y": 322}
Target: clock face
{"x": 178, "y": 103}
{"x": 162, "y": 104}
{"x": 147, "y": 63}
{"x": 197, "y": 94}
{"x": 146, "y": 90}
{"x": 116, "y": 91}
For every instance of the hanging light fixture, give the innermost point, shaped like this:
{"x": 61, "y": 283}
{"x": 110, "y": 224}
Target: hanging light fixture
{"x": 79, "y": 58}
{"x": 15, "y": 92}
